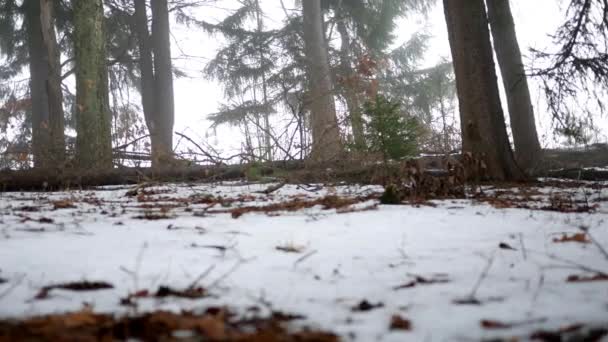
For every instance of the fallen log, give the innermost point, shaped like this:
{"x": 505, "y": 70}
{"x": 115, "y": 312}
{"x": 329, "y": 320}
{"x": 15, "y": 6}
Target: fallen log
{"x": 55, "y": 179}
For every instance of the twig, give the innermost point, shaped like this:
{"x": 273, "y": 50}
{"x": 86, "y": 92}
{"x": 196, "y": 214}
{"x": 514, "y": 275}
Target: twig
{"x": 541, "y": 282}
{"x": 482, "y": 277}
{"x": 523, "y": 247}
{"x": 575, "y": 264}
{"x": 304, "y": 257}
{"x": 121, "y": 147}
{"x": 227, "y": 274}
{"x": 12, "y": 287}
{"x": 135, "y": 274}
{"x": 595, "y": 242}
{"x": 200, "y": 277}
{"x": 272, "y": 188}
{"x": 203, "y": 151}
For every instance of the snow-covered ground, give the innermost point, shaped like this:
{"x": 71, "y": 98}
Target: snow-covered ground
{"x": 456, "y": 269}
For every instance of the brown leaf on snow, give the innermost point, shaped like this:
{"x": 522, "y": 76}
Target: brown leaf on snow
{"x": 327, "y": 202}
{"x": 189, "y": 293}
{"x": 574, "y": 332}
{"x": 418, "y": 280}
{"x": 400, "y": 323}
{"x": 63, "y": 204}
{"x": 28, "y": 208}
{"x": 46, "y": 220}
{"x": 213, "y": 325}
{"x": 492, "y": 324}
{"x": 587, "y": 279}
{"x": 578, "y": 237}
{"x": 73, "y": 286}
{"x": 364, "y": 306}
{"x": 129, "y": 299}
{"x": 291, "y": 248}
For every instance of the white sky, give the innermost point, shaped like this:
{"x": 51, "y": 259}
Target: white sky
{"x": 196, "y": 97}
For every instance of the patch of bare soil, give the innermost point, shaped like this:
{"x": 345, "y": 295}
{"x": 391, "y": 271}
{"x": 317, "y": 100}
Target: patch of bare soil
{"x": 216, "y": 324}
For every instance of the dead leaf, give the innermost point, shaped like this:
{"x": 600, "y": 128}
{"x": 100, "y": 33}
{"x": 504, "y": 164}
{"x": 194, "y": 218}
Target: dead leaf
{"x": 217, "y": 324}
{"x": 189, "y": 293}
{"x": 573, "y": 332}
{"x": 400, "y": 323}
{"x": 290, "y": 248}
{"x": 79, "y": 319}
{"x": 73, "y": 286}
{"x": 578, "y": 237}
{"x": 212, "y": 327}
{"x": 587, "y": 279}
{"x": 422, "y": 281}
{"x": 327, "y": 203}
{"x": 364, "y": 306}
{"x": 504, "y": 245}
{"x": 63, "y": 204}
{"x": 492, "y": 324}
{"x": 467, "y": 301}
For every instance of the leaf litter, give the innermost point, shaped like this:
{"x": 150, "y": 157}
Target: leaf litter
{"x": 351, "y": 252}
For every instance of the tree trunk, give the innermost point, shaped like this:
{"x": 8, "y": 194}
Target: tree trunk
{"x": 483, "y": 126}
{"x": 521, "y": 111}
{"x": 162, "y": 144}
{"x": 93, "y": 119}
{"x": 48, "y": 142}
{"x": 146, "y": 68}
{"x": 350, "y": 86}
{"x": 326, "y": 143}
{"x": 267, "y": 129}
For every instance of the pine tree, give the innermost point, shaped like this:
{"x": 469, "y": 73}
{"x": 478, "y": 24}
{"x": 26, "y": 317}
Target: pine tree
{"x": 93, "y": 119}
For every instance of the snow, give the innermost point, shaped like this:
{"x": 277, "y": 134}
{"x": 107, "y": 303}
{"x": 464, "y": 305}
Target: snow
{"x": 346, "y": 258}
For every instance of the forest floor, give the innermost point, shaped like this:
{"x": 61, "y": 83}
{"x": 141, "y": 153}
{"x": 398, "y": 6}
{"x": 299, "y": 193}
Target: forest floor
{"x": 233, "y": 261}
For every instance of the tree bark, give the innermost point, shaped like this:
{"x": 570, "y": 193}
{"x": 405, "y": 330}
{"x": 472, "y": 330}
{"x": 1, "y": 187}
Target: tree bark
{"x": 483, "y": 126}
{"x": 93, "y": 119}
{"x": 146, "y": 68}
{"x": 521, "y": 111}
{"x": 162, "y": 144}
{"x": 326, "y": 143}
{"x": 350, "y": 86}
{"x": 267, "y": 129}
{"x": 48, "y": 142}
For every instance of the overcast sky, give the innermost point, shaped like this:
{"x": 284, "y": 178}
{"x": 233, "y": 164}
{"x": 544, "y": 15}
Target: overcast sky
{"x": 195, "y": 97}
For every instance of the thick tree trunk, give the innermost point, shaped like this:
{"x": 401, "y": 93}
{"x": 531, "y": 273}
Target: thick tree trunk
{"x": 350, "y": 86}
{"x": 326, "y": 143}
{"x": 48, "y": 142}
{"x": 483, "y": 126}
{"x": 93, "y": 119}
{"x": 521, "y": 111}
{"x": 162, "y": 144}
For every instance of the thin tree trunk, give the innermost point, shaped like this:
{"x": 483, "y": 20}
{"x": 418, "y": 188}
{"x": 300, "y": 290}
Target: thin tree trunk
{"x": 53, "y": 84}
{"x": 48, "y": 143}
{"x": 267, "y": 138}
{"x": 484, "y": 132}
{"x": 326, "y": 143}
{"x": 41, "y": 136}
{"x": 350, "y": 87}
{"x": 93, "y": 119}
{"x": 146, "y": 68}
{"x": 521, "y": 111}
{"x": 163, "y": 76}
